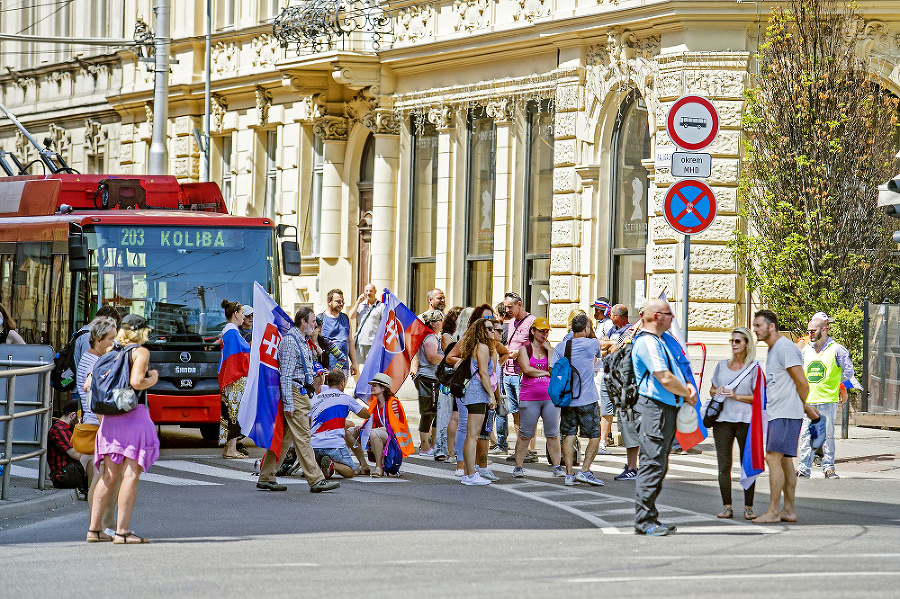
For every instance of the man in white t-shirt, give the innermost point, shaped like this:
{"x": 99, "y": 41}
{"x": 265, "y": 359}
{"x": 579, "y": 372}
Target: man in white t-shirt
{"x": 367, "y": 312}
{"x": 786, "y": 391}
{"x": 328, "y": 419}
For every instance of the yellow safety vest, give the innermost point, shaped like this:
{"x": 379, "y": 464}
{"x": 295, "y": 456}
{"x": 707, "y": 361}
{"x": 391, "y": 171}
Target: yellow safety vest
{"x": 823, "y": 373}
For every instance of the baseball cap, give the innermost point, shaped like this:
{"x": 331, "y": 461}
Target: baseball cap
{"x": 383, "y": 380}
{"x": 823, "y": 316}
{"x": 541, "y": 324}
{"x": 133, "y": 322}
{"x": 320, "y": 369}
{"x": 686, "y": 420}
{"x": 248, "y": 310}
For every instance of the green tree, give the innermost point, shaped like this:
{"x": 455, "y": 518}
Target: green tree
{"x": 821, "y": 135}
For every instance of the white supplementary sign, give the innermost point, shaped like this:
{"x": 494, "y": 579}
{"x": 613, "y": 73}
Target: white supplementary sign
{"x": 692, "y": 123}
{"x": 691, "y": 164}
{"x": 664, "y": 156}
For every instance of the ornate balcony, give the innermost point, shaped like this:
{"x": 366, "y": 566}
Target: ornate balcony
{"x": 325, "y": 25}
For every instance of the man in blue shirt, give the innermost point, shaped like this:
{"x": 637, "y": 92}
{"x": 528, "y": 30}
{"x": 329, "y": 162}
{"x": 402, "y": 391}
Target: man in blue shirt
{"x": 662, "y": 390}
{"x": 336, "y": 327}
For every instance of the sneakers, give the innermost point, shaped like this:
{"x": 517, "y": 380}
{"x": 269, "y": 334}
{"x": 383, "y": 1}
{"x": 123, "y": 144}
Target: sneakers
{"x": 802, "y": 474}
{"x": 475, "y": 479}
{"x": 627, "y": 474}
{"x": 323, "y": 485}
{"x": 268, "y": 485}
{"x": 531, "y": 457}
{"x": 602, "y": 450}
{"x": 518, "y": 472}
{"x": 327, "y": 466}
{"x": 460, "y": 472}
{"x": 589, "y": 478}
{"x": 570, "y": 480}
{"x": 497, "y": 450}
{"x": 559, "y": 471}
{"x": 427, "y": 454}
{"x": 657, "y": 530}
{"x": 486, "y": 473}
{"x": 830, "y": 473}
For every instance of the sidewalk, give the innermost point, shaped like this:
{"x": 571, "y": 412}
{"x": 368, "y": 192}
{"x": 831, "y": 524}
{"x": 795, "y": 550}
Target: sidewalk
{"x": 25, "y": 498}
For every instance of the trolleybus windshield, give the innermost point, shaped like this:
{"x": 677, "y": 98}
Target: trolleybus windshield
{"x": 176, "y": 277}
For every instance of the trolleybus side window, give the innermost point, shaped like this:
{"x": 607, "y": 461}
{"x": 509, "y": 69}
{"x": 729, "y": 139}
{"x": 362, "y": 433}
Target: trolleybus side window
{"x": 31, "y": 291}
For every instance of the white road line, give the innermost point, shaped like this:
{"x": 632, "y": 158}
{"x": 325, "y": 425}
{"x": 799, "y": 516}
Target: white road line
{"x": 215, "y": 471}
{"x": 723, "y": 576}
{"x": 146, "y": 476}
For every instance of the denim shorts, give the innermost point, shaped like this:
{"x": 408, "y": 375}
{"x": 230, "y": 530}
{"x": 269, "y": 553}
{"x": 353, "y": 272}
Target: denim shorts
{"x": 783, "y": 436}
{"x": 606, "y": 405}
{"x": 586, "y": 418}
{"x": 341, "y": 455}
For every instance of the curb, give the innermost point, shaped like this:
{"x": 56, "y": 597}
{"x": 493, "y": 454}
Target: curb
{"x": 60, "y": 498}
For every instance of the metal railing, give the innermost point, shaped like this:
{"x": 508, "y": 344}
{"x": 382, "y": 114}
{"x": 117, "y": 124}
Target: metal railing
{"x": 11, "y": 415}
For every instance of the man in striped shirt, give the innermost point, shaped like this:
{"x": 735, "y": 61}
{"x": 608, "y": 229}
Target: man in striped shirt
{"x": 330, "y": 439}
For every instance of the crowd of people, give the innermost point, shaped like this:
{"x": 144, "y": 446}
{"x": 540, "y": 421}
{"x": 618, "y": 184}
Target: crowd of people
{"x": 506, "y": 361}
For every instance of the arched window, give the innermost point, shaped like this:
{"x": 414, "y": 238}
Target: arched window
{"x": 630, "y": 182}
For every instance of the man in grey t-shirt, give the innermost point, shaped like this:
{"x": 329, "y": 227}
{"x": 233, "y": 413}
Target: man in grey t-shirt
{"x": 786, "y": 391}
{"x": 367, "y": 313}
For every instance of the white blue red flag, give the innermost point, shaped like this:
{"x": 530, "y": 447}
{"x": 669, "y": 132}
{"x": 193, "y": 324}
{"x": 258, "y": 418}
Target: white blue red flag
{"x": 674, "y": 340}
{"x": 399, "y": 337}
{"x": 261, "y": 414}
{"x": 753, "y": 462}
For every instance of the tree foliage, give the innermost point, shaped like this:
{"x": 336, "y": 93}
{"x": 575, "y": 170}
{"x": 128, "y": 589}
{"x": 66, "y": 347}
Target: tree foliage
{"x": 821, "y": 136}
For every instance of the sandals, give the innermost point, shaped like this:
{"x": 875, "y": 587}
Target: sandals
{"x": 129, "y": 538}
{"x": 234, "y": 456}
{"x": 727, "y": 513}
{"x": 748, "y": 513}
{"x": 379, "y": 473}
{"x": 97, "y": 536}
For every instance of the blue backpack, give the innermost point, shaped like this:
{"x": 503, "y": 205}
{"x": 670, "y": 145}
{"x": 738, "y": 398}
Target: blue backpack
{"x": 563, "y": 388}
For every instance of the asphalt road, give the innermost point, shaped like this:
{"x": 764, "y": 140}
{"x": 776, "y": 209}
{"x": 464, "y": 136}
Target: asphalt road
{"x": 425, "y": 534}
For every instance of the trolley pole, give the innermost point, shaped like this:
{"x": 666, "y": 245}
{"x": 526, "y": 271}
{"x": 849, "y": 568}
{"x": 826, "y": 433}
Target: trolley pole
{"x": 207, "y": 94}
{"x": 159, "y": 154}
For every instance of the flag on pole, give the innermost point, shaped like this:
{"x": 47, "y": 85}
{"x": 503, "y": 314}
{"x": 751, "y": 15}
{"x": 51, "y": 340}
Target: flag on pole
{"x": 399, "y": 337}
{"x": 261, "y": 414}
{"x": 674, "y": 340}
{"x": 753, "y": 462}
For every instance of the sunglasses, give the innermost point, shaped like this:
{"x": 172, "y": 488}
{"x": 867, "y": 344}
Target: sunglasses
{"x": 664, "y": 313}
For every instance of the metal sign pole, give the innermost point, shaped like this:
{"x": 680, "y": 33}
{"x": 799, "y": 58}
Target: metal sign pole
{"x": 685, "y": 286}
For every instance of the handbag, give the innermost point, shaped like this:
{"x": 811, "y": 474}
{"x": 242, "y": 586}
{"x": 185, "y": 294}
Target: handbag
{"x": 715, "y": 405}
{"x": 83, "y": 438}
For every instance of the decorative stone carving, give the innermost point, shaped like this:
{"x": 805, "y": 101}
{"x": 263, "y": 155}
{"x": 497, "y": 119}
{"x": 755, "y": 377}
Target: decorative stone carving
{"x": 24, "y": 149}
{"x": 148, "y": 112}
{"x": 265, "y": 50}
{"x": 331, "y": 128}
{"x": 361, "y": 105}
{"x": 880, "y": 39}
{"x": 500, "y": 110}
{"x": 314, "y": 106}
{"x": 531, "y": 10}
{"x": 441, "y": 117}
{"x": 414, "y": 23}
{"x": 61, "y": 139}
{"x": 94, "y": 138}
{"x": 224, "y": 56}
{"x": 263, "y": 101}
{"x": 218, "y": 108}
{"x": 382, "y": 122}
{"x": 471, "y": 15}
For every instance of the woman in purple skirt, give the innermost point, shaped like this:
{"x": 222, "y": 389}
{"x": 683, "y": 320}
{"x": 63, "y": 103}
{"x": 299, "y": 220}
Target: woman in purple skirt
{"x": 126, "y": 443}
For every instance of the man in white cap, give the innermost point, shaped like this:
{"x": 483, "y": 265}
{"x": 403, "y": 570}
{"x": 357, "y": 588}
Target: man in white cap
{"x": 246, "y": 329}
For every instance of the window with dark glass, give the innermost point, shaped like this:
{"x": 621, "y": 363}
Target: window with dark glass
{"x": 423, "y": 213}
{"x": 538, "y": 207}
{"x": 631, "y": 146}
{"x": 481, "y": 171}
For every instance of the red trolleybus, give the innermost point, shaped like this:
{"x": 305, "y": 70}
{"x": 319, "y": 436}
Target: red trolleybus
{"x": 148, "y": 245}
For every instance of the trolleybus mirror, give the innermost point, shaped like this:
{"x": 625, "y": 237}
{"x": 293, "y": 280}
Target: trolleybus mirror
{"x": 78, "y": 251}
{"x": 290, "y": 251}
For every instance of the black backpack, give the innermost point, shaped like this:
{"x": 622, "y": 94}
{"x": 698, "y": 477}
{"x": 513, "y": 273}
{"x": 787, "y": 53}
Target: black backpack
{"x": 461, "y": 376}
{"x": 111, "y": 390}
{"x": 444, "y": 372}
{"x": 621, "y": 384}
{"x": 62, "y": 377}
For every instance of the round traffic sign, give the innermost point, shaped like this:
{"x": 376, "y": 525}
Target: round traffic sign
{"x": 692, "y": 122}
{"x": 689, "y": 206}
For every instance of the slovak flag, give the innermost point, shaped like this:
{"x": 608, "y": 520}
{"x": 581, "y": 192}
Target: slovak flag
{"x": 399, "y": 337}
{"x": 261, "y": 413}
{"x": 235, "y": 356}
{"x": 674, "y": 340}
{"x": 753, "y": 462}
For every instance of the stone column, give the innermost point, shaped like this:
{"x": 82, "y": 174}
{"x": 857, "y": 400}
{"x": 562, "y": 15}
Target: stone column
{"x": 503, "y": 113}
{"x": 386, "y": 127}
{"x": 717, "y": 291}
{"x": 565, "y": 288}
{"x": 333, "y": 131}
{"x": 442, "y": 118}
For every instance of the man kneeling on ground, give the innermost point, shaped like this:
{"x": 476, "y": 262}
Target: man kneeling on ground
{"x": 330, "y": 440}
